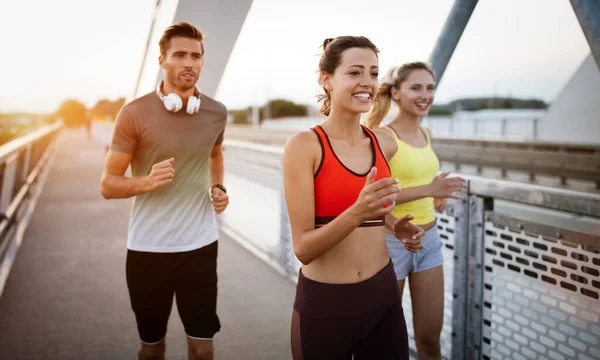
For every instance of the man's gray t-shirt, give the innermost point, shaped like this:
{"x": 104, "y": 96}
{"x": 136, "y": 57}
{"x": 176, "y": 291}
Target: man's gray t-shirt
{"x": 179, "y": 216}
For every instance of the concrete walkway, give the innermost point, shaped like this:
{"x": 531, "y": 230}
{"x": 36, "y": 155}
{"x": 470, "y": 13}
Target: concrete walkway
{"x": 66, "y": 296}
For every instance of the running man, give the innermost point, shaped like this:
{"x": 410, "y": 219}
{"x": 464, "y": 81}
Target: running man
{"x": 172, "y": 139}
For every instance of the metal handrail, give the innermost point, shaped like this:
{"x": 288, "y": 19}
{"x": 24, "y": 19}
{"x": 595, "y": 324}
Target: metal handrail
{"x": 488, "y": 141}
{"x": 252, "y": 146}
{"x": 571, "y": 201}
{"x": 562, "y": 160}
{"x": 9, "y": 215}
{"x": 529, "y": 143}
{"x": 576, "y": 202}
{"x": 23, "y": 141}
{"x": 21, "y": 162}
{"x": 510, "y": 249}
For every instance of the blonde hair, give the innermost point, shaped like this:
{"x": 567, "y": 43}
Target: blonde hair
{"x": 383, "y": 99}
{"x": 332, "y": 57}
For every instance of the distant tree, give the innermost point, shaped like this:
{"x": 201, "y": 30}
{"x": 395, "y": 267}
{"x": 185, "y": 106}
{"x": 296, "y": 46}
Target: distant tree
{"x": 106, "y": 108}
{"x": 73, "y": 113}
{"x": 507, "y": 104}
{"x": 51, "y": 119}
{"x": 439, "y": 111}
{"x": 279, "y": 108}
{"x": 241, "y": 117}
{"x": 274, "y": 109}
{"x": 535, "y": 104}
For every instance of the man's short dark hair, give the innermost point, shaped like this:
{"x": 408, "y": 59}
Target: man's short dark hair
{"x": 180, "y": 29}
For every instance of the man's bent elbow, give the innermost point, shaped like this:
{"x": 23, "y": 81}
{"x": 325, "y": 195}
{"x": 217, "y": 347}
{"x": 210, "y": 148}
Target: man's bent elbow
{"x": 104, "y": 189}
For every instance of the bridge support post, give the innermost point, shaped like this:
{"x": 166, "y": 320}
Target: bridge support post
{"x": 459, "y": 280}
{"x": 475, "y": 250}
{"x": 9, "y": 177}
{"x": 286, "y": 245}
{"x": 588, "y": 14}
{"x": 468, "y": 301}
{"x": 451, "y": 33}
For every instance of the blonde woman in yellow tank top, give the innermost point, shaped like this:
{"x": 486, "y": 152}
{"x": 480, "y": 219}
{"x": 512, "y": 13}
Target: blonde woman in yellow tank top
{"x": 412, "y": 86}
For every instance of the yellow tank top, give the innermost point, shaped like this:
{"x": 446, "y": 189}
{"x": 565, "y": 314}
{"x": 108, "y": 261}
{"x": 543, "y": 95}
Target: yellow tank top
{"x": 414, "y": 167}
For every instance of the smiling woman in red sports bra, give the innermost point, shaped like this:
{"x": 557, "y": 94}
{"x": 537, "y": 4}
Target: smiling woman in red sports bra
{"x": 338, "y": 191}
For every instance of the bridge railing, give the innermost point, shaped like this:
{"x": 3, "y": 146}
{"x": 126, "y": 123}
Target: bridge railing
{"x": 532, "y": 157}
{"x": 567, "y": 161}
{"x": 521, "y": 262}
{"x": 22, "y": 161}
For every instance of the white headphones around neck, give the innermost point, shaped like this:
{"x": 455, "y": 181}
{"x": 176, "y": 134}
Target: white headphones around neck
{"x": 174, "y": 103}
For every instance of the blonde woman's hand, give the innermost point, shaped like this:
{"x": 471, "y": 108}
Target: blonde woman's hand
{"x": 409, "y": 233}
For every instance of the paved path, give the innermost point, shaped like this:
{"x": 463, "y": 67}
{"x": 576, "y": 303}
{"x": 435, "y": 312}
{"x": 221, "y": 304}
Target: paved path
{"x": 66, "y": 296}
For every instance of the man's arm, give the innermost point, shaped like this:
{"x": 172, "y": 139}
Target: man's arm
{"x": 115, "y": 185}
{"x": 217, "y": 165}
{"x": 219, "y": 198}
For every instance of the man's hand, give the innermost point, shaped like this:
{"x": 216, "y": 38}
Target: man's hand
{"x": 162, "y": 173}
{"x": 219, "y": 199}
{"x": 409, "y": 233}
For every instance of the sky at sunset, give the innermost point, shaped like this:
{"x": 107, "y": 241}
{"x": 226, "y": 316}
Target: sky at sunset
{"x": 89, "y": 50}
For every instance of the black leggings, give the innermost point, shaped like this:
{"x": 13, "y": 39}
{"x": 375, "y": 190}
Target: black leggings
{"x": 338, "y": 321}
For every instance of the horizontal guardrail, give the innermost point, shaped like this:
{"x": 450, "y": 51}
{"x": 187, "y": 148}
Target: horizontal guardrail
{"x": 562, "y": 160}
{"x": 521, "y": 261}
{"x": 575, "y": 202}
{"x": 22, "y": 160}
{"x": 516, "y": 286}
{"x": 567, "y": 161}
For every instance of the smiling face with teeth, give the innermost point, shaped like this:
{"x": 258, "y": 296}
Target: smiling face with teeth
{"x": 354, "y": 82}
{"x": 416, "y": 93}
{"x": 182, "y": 63}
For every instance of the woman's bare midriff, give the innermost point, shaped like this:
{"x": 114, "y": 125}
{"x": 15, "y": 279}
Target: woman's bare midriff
{"x": 357, "y": 258}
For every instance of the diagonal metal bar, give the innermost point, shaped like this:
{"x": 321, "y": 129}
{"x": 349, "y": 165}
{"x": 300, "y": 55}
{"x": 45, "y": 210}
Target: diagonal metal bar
{"x": 451, "y": 33}
{"x": 588, "y": 14}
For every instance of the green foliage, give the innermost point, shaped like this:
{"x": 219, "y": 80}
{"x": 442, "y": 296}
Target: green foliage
{"x": 439, "y": 111}
{"x": 496, "y": 103}
{"x": 106, "y": 108}
{"x": 73, "y": 113}
{"x": 274, "y": 109}
{"x": 279, "y": 108}
{"x": 241, "y": 117}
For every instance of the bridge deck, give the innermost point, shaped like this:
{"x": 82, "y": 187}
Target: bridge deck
{"x": 66, "y": 296}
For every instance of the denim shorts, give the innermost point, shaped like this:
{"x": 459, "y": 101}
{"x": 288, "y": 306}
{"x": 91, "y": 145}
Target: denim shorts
{"x": 406, "y": 262}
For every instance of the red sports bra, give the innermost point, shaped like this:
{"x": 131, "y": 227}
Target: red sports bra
{"x": 336, "y": 187}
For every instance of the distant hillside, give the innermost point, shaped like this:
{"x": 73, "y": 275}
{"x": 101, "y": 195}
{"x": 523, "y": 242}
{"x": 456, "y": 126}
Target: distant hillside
{"x": 492, "y": 103}
{"x": 281, "y": 108}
